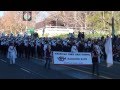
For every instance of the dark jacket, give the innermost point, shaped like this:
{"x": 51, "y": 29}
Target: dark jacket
{"x": 58, "y": 47}
{"x": 81, "y": 48}
{"x": 95, "y": 57}
{"x": 48, "y": 53}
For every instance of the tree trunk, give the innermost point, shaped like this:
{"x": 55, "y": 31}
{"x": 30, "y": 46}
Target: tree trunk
{"x": 103, "y": 16}
{"x": 85, "y": 21}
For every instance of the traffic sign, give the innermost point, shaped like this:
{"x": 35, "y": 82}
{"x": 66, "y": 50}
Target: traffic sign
{"x": 27, "y": 15}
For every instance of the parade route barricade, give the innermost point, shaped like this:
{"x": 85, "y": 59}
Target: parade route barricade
{"x": 69, "y": 58}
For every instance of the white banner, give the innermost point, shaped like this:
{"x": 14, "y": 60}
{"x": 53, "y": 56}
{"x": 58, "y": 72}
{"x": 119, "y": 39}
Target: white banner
{"x": 70, "y": 58}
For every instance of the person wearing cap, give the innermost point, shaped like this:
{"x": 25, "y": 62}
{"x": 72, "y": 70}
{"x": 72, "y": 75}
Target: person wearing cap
{"x": 99, "y": 51}
{"x": 32, "y": 48}
{"x": 2, "y": 47}
{"x": 17, "y": 48}
{"x": 79, "y": 35}
{"x": 48, "y": 56}
{"x": 53, "y": 45}
{"x": 81, "y": 47}
{"x": 89, "y": 46}
{"x": 12, "y": 53}
{"x": 45, "y": 47}
{"x": 22, "y": 49}
{"x": 27, "y": 50}
{"x": 58, "y": 46}
{"x": 74, "y": 48}
{"x": 65, "y": 46}
{"x": 38, "y": 47}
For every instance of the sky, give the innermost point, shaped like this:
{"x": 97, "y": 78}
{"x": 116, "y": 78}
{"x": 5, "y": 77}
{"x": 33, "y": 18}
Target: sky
{"x": 1, "y": 13}
{"x": 41, "y": 16}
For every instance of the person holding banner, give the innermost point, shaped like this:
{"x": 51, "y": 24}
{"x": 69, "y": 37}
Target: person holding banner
{"x": 95, "y": 61}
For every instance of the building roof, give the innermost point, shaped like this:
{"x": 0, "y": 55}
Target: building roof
{"x": 48, "y": 22}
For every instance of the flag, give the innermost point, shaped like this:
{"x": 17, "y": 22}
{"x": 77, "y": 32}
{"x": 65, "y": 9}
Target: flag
{"x": 27, "y": 15}
{"x": 108, "y": 50}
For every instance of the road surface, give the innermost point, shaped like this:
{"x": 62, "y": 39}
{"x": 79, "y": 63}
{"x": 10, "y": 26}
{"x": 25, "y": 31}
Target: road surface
{"x": 34, "y": 69}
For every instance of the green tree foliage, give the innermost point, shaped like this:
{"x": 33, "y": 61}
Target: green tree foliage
{"x": 102, "y": 20}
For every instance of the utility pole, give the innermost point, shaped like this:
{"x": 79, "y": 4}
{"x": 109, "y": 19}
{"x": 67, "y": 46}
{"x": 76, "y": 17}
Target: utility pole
{"x": 104, "y": 18}
{"x": 113, "y": 30}
{"x": 26, "y": 17}
{"x": 56, "y": 22}
{"x": 85, "y": 20}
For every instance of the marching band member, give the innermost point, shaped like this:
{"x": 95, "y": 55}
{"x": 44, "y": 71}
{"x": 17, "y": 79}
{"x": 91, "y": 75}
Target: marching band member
{"x": 32, "y": 48}
{"x": 65, "y": 46}
{"x": 38, "y": 46}
{"x": 74, "y": 48}
{"x": 27, "y": 49}
{"x": 99, "y": 51}
{"x": 95, "y": 61}
{"x": 45, "y": 47}
{"x": 12, "y": 53}
{"x": 48, "y": 56}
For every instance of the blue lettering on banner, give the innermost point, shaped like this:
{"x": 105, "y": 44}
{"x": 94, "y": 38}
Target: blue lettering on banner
{"x": 83, "y": 58}
{"x": 77, "y": 54}
{"x": 70, "y": 54}
{"x": 86, "y": 54}
{"x": 73, "y": 58}
{"x": 60, "y": 54}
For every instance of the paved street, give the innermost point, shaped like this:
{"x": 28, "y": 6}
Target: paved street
{"x": 74, "y": 38}
{"x": 14, "y": 72}
{"x": 34, "y": 69}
